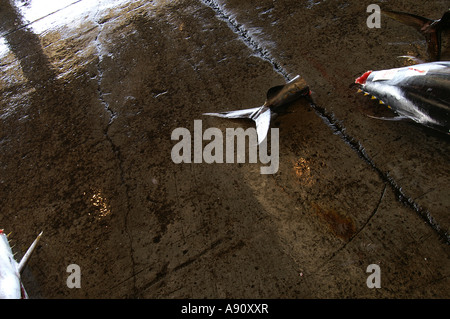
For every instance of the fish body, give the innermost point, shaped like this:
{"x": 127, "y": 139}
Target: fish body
{"x": 277, "y": 97}
{"x": 432, "y": 30}
{"x": 420, "y": 92}
{"x": 11, "y": 286}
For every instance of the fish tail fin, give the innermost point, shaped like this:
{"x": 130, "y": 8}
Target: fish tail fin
{"x": 27, "y": 255}
{"x": 260, "y": 115}
{"x": 239, "y": 114}
{"x": 262, "y": 122}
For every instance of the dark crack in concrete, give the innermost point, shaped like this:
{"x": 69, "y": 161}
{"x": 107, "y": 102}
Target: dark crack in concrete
{"x": 330, "y": 119}
{"x": 117, "y": 152}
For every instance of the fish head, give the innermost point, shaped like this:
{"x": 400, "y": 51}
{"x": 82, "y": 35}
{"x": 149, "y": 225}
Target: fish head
{"x": 419, "y": 92}
{"x": 378, "y": 90}
{"x": 363, "y": 78}
{"x": 381, "y": 90}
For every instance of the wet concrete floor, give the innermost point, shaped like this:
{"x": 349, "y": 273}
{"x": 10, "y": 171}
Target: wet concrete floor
{"x": 90, "y": 95}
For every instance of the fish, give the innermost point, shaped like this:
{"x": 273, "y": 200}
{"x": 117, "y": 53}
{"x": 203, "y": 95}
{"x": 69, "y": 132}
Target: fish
{"x": 431, "y": 29}
{"x": 420, "y": 93}
{"x": 277, "y": 97}
{"x": 11, "y": 286}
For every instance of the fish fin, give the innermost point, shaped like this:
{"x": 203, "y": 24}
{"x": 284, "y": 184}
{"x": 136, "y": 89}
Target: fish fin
{"x": 262, "y": 125}
{"x": 435, "y": 40}
{"x": 27, "y": 255}
{"x": 395, "y": 118}
{"x": 411, "y": 58}
{"x": 24, "y": 294}
{"x": 262, "y": 120}
{"x": 433, "y": 45}
{"x": 239, "y": 114}
{"x": 412, "y": 20}
{"x": 429, "y": 28}
{"x": 445, "y": 20}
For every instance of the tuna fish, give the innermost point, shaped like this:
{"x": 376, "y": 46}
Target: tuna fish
{"x": 11, "y": 286}
{"x": 277, "y": 97}
{"x": 420, "y": 92}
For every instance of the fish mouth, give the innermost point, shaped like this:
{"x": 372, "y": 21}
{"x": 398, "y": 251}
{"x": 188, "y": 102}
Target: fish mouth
{"x": 363, "y": 78}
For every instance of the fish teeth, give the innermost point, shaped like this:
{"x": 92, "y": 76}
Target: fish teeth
{"x": 373, "y": 97}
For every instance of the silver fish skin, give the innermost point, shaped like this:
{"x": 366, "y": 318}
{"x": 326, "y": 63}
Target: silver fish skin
{"x": 11, "y": 286}
{"x": 277, "y": 97}
{"x": 419, "y": 92}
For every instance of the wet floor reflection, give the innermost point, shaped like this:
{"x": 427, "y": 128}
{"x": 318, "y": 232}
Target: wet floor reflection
{"x": 100, "y": 203}
{"x": 35, "y": 10}
{"x": 60, "y": 170}
{"x": 302, "y": 168}
{"x": 25, "y": 45}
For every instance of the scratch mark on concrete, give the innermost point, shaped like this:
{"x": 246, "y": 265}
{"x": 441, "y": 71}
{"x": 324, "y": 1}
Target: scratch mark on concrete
{"x": 360, "y": 229}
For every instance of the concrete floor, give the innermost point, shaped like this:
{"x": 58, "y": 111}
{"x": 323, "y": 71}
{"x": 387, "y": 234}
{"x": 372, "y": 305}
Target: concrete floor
{"x": 89, "y": 97}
